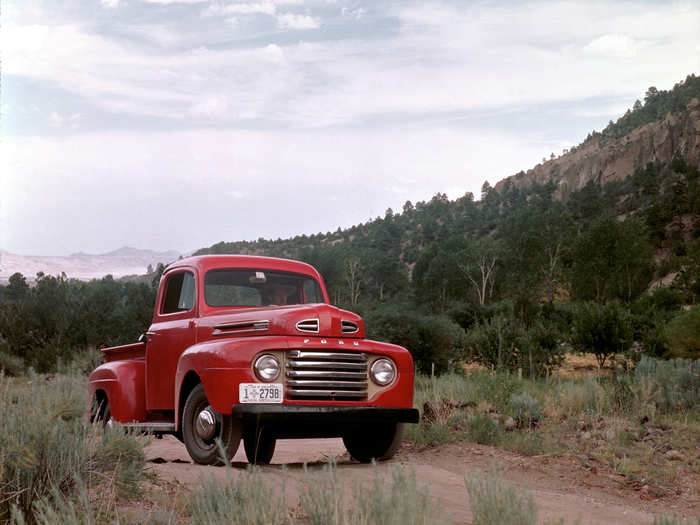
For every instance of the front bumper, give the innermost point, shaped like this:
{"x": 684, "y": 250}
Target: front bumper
{"x": 318, "y": 415}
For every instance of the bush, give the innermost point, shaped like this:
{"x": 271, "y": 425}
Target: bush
{"x": 44, "y": 440}
{"x": 494, "y": 343}
{"x": 121, "y": 453}
{"x": 494, "y": 501}
{"x": 525, "y": 410}
{"x": 669, "y": 385}
{"x": 602, "y": 330}
{"x": 11, "y": 365}
{"x": 431, "y": 339}
{"x": 683, "y": 334}
{"x": 243, "y": 500}
{"x": 484, "y": 430}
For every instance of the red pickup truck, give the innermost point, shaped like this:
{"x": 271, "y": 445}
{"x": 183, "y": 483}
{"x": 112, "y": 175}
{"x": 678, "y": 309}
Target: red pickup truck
{"x": 248, "y": 348}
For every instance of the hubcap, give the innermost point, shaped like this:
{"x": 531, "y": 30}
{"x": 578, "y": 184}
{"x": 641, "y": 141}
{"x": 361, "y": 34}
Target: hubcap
{"x": 206, "y": 424}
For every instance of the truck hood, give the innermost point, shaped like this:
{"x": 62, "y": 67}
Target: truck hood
{"x": 318, "y": 320}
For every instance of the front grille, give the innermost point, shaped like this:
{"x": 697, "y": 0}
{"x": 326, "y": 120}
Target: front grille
{"x": 311, "y": 374}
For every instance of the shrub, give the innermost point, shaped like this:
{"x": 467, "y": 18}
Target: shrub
{"x": 495, "y": 501}
{"x": 44, "y": 440}
{"x": 321, "y": 499}
{"x": 602, "y": 330}
{"x": 525, "y": 410}
{"x": 669, "y": 385}
{"x": 402, "y": 501}
{"x": 243, "y": 500}
{"x": 683, "y": 334}
{"x": 484, "y": 430}
{"x": 494, "y": 343}
{"x": 121, "y": 453}
{"x": 12, "y": 365}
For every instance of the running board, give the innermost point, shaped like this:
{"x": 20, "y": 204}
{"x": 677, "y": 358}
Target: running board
{"x": 150, "y": 427}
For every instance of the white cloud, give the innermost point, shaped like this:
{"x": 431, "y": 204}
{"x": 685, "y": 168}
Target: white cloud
{"x": 266, "y": 8}
{"x": 168, "y": 2}
{"x": 614, "y": 45}
{"x": 56, "y": 120}
{"x": 292, "y": 21}
{"x": 211, "y": 108}
{"x": 109, "y": 3}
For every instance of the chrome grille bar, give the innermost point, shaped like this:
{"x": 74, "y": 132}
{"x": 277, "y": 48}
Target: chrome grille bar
{"x": 326, "y": 374}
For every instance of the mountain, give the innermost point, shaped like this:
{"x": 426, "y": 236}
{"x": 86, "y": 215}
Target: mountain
{"x": 602, "y": 159}
{"x": 118, "y": 263}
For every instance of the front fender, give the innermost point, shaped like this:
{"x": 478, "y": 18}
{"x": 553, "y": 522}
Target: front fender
{"x": 123, "y": 382}
{"x": 221, "y": 365}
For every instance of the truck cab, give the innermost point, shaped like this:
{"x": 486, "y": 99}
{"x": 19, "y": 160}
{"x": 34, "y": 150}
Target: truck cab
{"x": 245, "y": 348}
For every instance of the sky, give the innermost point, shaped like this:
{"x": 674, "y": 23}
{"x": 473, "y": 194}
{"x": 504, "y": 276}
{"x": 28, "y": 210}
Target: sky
{"x": 175, "y": 124}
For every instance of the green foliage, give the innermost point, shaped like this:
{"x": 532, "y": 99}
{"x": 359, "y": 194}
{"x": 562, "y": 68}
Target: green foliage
{"x": 242, "y": 500}
{"x": 49, "y": 452}
{"x": 675, "y": 520}
{"x": 612, "y": 260}
{"x": 484, "y": 430}
{"x": 683, "y": 334}
{"x": 669, "y": 385}
{"x": 430, "y": 338}
{"x": 602, "y": 330}
{"x": 525, "y": 409}
{"x": 120, "y": 453}
{"x": 495, "y": 501}
{"x": 502, "y": 343}
{"x": 11, "y": 365}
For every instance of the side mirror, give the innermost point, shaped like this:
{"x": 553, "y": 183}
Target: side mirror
{"x": 143, "y": 338}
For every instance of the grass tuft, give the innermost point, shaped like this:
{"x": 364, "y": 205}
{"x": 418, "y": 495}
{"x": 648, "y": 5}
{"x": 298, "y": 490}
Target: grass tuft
{"x": 495, "y": 501}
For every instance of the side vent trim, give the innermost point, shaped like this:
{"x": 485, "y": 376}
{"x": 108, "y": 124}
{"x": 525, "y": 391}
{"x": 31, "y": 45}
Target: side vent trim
{"x": 309, "y": 326}
{"x": 349, "y": 327}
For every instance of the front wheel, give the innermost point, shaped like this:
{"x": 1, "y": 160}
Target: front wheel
{"x": 202, "y": 425}
{"x": 378, "y": 442}
{"x": 259, "y": 445}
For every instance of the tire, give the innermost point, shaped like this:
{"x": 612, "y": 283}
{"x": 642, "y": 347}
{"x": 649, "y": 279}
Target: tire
{"x": 377, "y": 443}
{"x": 204, "y": 450}
{"x": 100, "y": 413}
{"x": 259, "y": 445}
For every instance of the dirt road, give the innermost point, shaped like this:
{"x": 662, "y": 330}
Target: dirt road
{"x": 561, "y": 486}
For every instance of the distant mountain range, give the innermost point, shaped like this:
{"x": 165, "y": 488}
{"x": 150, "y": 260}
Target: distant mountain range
{"x": 118, "y": 263}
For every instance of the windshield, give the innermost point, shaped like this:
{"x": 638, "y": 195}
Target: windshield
{"x": 238, "y": 287}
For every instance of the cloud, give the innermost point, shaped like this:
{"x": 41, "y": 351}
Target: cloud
{"x": 169, "y": 2}
{"x": 211, "y": 108}
{"x": 56, "y": 120}
{"x": 614, "y": 45}
{"x": 109, "y": 3}
{"x": 292, "y": 21}
{"x": 266, "y": 8}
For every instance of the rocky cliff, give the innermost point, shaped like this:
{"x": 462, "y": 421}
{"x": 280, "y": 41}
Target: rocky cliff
{"x": 602, "y": 159}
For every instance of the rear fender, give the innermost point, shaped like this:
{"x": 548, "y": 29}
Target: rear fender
{"x": 220, "y": 365}
{"x": 123, "y": 383}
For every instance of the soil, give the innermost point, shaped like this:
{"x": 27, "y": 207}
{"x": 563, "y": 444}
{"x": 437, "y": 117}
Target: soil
{"x": 563, "y": 487}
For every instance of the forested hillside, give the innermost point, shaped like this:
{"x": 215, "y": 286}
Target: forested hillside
{"x": 510, "y": 280}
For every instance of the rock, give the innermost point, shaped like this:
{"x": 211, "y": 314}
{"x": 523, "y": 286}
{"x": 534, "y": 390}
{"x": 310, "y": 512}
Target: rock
{"x": 585, "y": 436}
{"x": 674, "y": 455}
{"x": 609, "y": 434}
{"x": 509, "y": 424}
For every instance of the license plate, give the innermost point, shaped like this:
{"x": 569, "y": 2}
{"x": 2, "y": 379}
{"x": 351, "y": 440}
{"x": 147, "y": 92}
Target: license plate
{"x": 260, "y": 393}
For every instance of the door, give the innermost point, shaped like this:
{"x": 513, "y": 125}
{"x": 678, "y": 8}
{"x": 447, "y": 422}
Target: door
{"x": 172, "y": 332}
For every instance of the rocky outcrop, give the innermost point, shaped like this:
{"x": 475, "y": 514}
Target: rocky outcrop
{"x": 602, "y": 159}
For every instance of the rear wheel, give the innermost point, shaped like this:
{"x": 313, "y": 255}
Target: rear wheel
{"x": 259, "y": 445}
{"x": 378, "y": 442}
{"x": 202, "y": 425}
{"x": 100, "y": 412}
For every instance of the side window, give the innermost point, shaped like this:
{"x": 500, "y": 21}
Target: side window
{"x": 179, "y": 293}
{"x": 312, "y": 292}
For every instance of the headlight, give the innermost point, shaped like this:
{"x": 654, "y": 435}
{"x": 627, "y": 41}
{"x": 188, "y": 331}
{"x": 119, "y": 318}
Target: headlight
{"x": 383, "y": 371}
{"x": 267, "y": 367}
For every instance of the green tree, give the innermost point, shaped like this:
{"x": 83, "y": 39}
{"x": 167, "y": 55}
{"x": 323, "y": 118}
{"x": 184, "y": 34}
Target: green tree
{"x": 603, "y": 330}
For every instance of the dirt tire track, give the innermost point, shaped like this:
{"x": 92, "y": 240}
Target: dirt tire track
{"x": 560, "y": 486}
